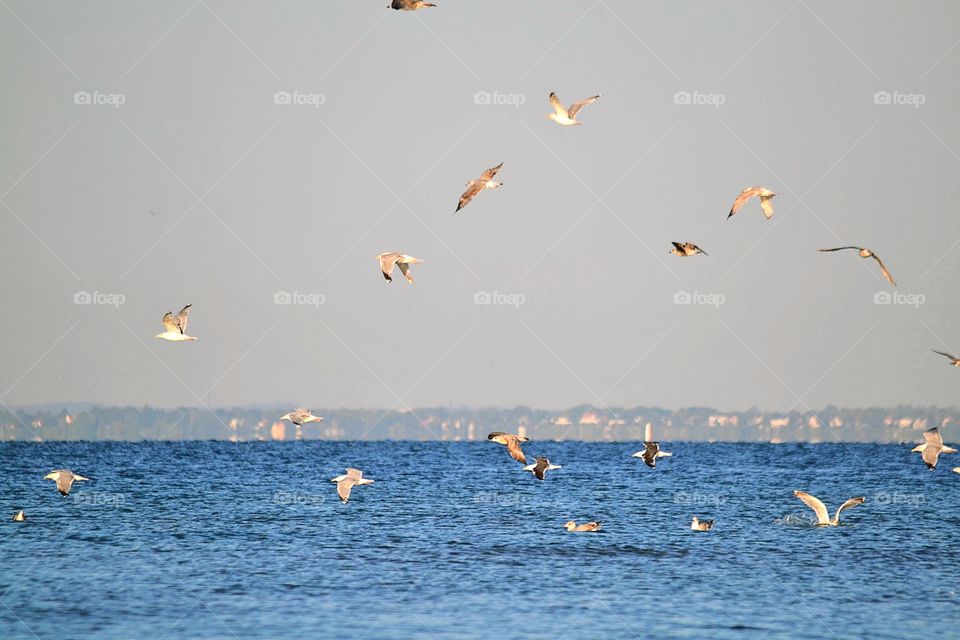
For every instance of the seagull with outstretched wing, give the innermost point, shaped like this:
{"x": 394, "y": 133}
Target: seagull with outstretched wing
{"x": 866, "y": 253}
{"x": 564, "y": 116}
{"x": 474, "y": 187}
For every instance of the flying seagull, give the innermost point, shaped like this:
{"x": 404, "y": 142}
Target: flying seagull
{"x": 651, "y": 451}
{"x": 866, "y": 253}
{"x": 540, "y": 467}
{"x": 19, "y": 517}
{"x": 175, "y": 327}
{"x": 954, "y": 361}
{"x": 931, "y": 449}
{"x": 701, "y": 525}
{"x": 409, "y": 5}
{"x": 763, "y": 193}
{"x": 686, "y": 249}
{"x": 347, "y": 481}
{"x": 513, "y": 444}
{"x": 586, "y": 526}
{"x": 823, "y": 519}
{"x": 301, "y": 417}
{"x": 485, "y": 181}
{"x": 568, "y": 117}
{"x": 387, "y": 260}
{"x": 64, "y": 479}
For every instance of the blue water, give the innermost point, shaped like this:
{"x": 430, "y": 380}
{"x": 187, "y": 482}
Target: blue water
{"x": 221, "y": 540}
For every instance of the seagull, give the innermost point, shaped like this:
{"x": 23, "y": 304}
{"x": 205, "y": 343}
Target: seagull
{"x": 409, "y": 5}
{"x": 954, "y": 361}
{"x": 823, "y": 519}
{"x": 866, "y": 253}
{"x": 568, "y": 117}
{"x": 686, "y": 249}
{"x": 763, "y": 193}
{"x": 19, "y": 517}
{"x": 64, "y": 479}
{"x": 301, "y": 417}
{"x": 346, "y": 482}
{"x": 956, "y": 469}
{"x": 540, "y": 467}
{"x": 387, "y": 260}
{"x": 485, "y": 181}
{"x": 586, "y": 526}
{"x": 651, "y": 451}
{"x": 931, "y": 449}
{"x": 513, "y": 444}
{"x": 701, "y": 525}
{"x": 175, "y": 327}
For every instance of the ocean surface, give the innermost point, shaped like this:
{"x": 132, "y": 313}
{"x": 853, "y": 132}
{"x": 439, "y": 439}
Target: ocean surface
{"x": 454, "y": 540}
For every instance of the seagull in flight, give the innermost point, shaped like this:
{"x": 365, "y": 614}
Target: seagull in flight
{"x": 932, "y": 447}
{"x": 347, "y": 481}
{"x": 953, "y": 361}
{"x": 823, "y": 519}
{"x": 387, "y": 260}
{"x": 409, "y": 5}
{"x": 763, "y": 193}
{"x": 540, "y": 467}
{"x": 485, "y": 181}
{"x": 301, "y": 417}
{"x": 512, "y": 442}
{"x": 175, "y": 327}
{"x": 651, "y": 451}
{"x": 686, "y": 249}
{"x": 64, "y": 479}
{"x": 568, "y": 117}
{"x": 866, "y": 253}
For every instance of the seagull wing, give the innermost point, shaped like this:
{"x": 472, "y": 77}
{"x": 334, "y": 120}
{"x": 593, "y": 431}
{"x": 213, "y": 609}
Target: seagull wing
{"x": 941, "y": 353}
{"x": 169, "y": 324}
{"x": 467, "y": 196}
{"x": 849, "y": 504}
{"x": 933, "y": 438}
{"x": 814, "y": 503}
{"x": 489, "y": 173}
{"x": 343, "y": 488}
{"x": 886, "y": 274}
{"x": 182, "y": 318}
{"x": 354, "y": 473}
{"x": 745, "y": 195}
{"x": 930, "y": 456}
{"x": 678, "y": 245}
{"x": 576, "y": 106}
{"x": 513, "y": 448}
{"x": 405, "y": 270}
{"x": 838, "y": 249}
{"x": 387, "y": 260}
{"x": 766, "y": 203}
{"x": 557, "y": 105}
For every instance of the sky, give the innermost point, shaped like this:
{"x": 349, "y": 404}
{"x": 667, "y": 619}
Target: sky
{"x": 151, "y": 158}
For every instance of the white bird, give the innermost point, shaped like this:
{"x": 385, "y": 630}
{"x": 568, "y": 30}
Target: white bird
{"x": 301, "y": 417}
{"x": 568, "y": 117}
{"x": 387, "y": 260}
{"x": 175, "y": 327}
{"x": 956, "y": 469}
{"x": 485, "y": 181}
{"x": 763, "y": 193}
{"x": 866, "y": 253}
{"x": 409, "y": 5}
{"x": 586, "y": 526}
{"x": 701, "y": 525}
{"x": 931, "y": 449}
{"x": 19, "y": 517}
{"x": 64, "y": 479}
{"x": 823, "y": 519}
{"x": 540, "y": 467}
{"x": 346, "y": 482}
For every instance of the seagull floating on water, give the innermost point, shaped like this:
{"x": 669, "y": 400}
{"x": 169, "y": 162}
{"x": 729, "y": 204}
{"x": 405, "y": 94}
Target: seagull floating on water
{"x": 387, "y": 260}
{"x": 686, "y": 249}
{"x": 301, "y": 417}
{"x": 931, "y": 449}
{"x": 540, "y": 467}
{"x": 19, "y": 517}
{"x": 956, "y": 469}
{"x": 409, "y": 5}
{"x": 701, "y": 525}
{"x": 953, "y": 360}
{"x": 651, "y": 451}
{"x": 64, "y": 479}
{"x": 512, "y": 442}
{"x": 485, "y": 181}
{"x": 586, "y": 526}
{"x": 175, "y": 327}
{"x": 346, "y": 482}
{"x": 866, "y": 253}
{"x": 568, "y": 117}
{"x": 823, "y": 519}
{"x": 763, "y": 193}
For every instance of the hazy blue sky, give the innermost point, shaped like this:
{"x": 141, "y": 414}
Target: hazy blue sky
{"x": 250, "y": 198}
